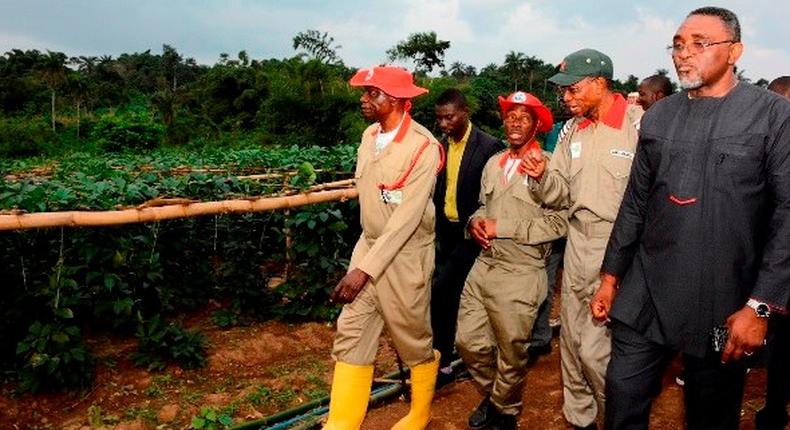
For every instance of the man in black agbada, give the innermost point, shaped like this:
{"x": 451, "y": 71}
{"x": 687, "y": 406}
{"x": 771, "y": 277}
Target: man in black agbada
{"x": 702, "y": 239}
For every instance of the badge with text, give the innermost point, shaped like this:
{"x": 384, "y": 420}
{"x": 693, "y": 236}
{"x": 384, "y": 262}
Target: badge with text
{"x": 576, "y": 149}
{"x": 622, "y": 153}
{"x": 394, "y": 197}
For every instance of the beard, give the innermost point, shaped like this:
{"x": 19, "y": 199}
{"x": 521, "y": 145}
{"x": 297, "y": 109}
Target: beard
{"x": 690, "y": 83}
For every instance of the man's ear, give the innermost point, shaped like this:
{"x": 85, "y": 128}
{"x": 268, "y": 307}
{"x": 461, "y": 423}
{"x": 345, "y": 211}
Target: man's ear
{"x": 736, "y": 50}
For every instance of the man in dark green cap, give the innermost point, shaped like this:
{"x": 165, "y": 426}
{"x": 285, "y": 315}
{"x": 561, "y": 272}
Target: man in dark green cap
{"x": 587, "y": 175}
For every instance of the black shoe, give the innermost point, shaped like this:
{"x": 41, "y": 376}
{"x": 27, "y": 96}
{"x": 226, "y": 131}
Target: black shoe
{"x": 533, "y": 352}
{"x": 766, "y": 419}
{"x": 592, "y": 426}
{"x": 504, "y": 422}
{"x": 443, "y": 379}
{"x": 483, "y": 416}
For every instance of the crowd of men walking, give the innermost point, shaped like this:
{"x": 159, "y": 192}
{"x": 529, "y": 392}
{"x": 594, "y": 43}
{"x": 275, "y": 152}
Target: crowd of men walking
{"x": 674, "y": 217}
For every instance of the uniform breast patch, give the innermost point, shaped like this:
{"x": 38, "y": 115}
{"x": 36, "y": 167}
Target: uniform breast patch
{"x": 394, "y": 197}
{"x": 622, "y": 153}
{"x": 576, "y": 149}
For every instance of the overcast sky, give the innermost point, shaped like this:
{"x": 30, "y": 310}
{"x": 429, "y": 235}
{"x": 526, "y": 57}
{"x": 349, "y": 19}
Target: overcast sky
{"x": 633, "y": 33}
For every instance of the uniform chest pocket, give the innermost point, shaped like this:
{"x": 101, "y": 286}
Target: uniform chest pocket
{"x": 617, "y": 169}
{"x": 618, "y": 163}
{"x": 737, "y": 162}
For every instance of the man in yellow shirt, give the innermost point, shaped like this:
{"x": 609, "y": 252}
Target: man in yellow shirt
{"x": 456, "y": 197}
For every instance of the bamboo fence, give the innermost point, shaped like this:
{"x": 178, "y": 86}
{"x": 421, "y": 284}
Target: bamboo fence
{"x": 169, "y": 209}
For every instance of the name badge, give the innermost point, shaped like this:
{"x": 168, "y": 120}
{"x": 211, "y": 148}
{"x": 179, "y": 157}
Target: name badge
{"x": 622, "y": 153}
{"x": 394, "y": 197}
{"x": 576, "y": 149}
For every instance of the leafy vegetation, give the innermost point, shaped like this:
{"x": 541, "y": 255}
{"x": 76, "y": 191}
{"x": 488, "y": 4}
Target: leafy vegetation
{"x": 101, "y": 133}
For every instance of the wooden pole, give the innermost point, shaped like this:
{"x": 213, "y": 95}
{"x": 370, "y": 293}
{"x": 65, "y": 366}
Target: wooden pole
{"x": 167, "y": 212}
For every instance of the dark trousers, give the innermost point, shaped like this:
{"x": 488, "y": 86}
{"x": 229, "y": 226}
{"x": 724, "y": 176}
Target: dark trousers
{"x": 713, "y": 392}
{"x": 774, "y": 415}
{"x": 454, "y": 259}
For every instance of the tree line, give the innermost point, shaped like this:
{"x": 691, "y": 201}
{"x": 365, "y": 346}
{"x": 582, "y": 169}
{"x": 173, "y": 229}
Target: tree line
{"x": 51, "y": 102}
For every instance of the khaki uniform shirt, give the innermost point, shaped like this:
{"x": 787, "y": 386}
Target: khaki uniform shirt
{"x": 590, "y": 166}
{"x": 525, "y": 228}
{"x": 401, "y": 218}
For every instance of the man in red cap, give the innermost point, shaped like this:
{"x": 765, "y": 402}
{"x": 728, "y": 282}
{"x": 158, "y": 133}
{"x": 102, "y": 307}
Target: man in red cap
{"x": 507, "y": 282}
{"x": 388, "y": 281}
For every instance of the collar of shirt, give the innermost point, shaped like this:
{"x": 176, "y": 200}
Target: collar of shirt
{"x": 464, "y": 139}
{"x": 614, "y": 118}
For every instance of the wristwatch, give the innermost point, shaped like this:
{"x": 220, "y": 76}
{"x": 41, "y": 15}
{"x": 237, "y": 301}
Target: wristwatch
{"x": 761, "y": 309}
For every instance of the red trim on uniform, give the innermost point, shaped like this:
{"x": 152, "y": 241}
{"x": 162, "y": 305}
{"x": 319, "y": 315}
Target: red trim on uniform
{"x": 404, "y": 127}
{"x": 682, "y": 202}
{"x": 402, "y": 180}
{"x": 521, "y": 167}
{"x": 401, "y": 131}
{"x": 614, "y": 118}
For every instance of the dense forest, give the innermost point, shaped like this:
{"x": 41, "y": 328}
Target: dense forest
{"x": 51, "y": 102}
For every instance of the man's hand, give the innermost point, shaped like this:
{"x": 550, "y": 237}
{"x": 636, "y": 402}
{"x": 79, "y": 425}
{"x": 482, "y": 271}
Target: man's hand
{"x": 348, "y": 287}
{"x": 747, "y": 334}
{"x": 601, "y": 302}
{"x": 477, "y": 229}
{"x": 534, "y": 164}
{"x": 489, "y": 225}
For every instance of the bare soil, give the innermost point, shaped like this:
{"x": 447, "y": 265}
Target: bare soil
{"x": 258, "y": 370}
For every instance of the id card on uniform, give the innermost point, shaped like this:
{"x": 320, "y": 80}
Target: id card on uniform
{"x": 394, "y": 197}
{"x": 576, "y": 149}
{"x": 622, "y": 153}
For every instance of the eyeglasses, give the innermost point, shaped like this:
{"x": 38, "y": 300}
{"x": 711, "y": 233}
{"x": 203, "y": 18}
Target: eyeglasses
{"x": 694, "y": 47}
{"x": 573, "y": 89}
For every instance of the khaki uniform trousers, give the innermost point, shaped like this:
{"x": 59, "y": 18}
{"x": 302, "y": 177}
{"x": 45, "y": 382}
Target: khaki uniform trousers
{"x": 399, "y": 299}
{"x": 585, "y": 344}
{"x": 499, "y": 305}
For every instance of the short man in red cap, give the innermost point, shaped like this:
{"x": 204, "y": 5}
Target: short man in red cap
{"x": 507, "y": 282}
{"x": 388, "y": 281}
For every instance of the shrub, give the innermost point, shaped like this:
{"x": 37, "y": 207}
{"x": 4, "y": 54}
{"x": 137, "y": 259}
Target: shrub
{"x": 54, "y": 357}
{"x": 131, "y": 129}
{"x": 160, "y": 342}
{"x": 21, "y": 137}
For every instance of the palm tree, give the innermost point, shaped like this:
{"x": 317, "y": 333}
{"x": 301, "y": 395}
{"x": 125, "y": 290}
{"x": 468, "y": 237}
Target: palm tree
{"x": 515, "y": 66}
{"x": 52, "y": 70}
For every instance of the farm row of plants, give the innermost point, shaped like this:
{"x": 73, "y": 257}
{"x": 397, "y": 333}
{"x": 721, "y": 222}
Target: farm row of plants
{"x": 84, "y": 181}
{"x": 138, "y": 280}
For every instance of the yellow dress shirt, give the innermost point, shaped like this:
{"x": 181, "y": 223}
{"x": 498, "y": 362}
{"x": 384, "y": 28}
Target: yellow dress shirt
{"x": 455, "y": 152}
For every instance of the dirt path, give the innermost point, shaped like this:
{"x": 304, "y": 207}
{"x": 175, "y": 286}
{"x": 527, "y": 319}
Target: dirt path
{"x": 255, "y": 371}
{"x": 543, "y": 402}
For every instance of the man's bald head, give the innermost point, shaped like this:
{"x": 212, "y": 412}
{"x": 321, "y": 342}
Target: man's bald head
{"x": 781, "y": 86}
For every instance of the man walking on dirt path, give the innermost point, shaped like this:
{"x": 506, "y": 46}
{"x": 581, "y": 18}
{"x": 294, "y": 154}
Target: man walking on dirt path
{"x": 457, "y": 190}
{"x": 507, "y": 283}
{"x": 389, "y": 276}
{"x": 587, "y": 174}
{"x": 698, "y": 258}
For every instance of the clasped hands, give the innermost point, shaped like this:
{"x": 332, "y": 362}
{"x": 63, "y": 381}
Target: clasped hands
{"x": 482, "y": 231}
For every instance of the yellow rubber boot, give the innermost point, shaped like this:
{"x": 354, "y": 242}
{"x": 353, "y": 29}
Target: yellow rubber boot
{"x": 423, "y": 382}
{"x": 348, "y": 402}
